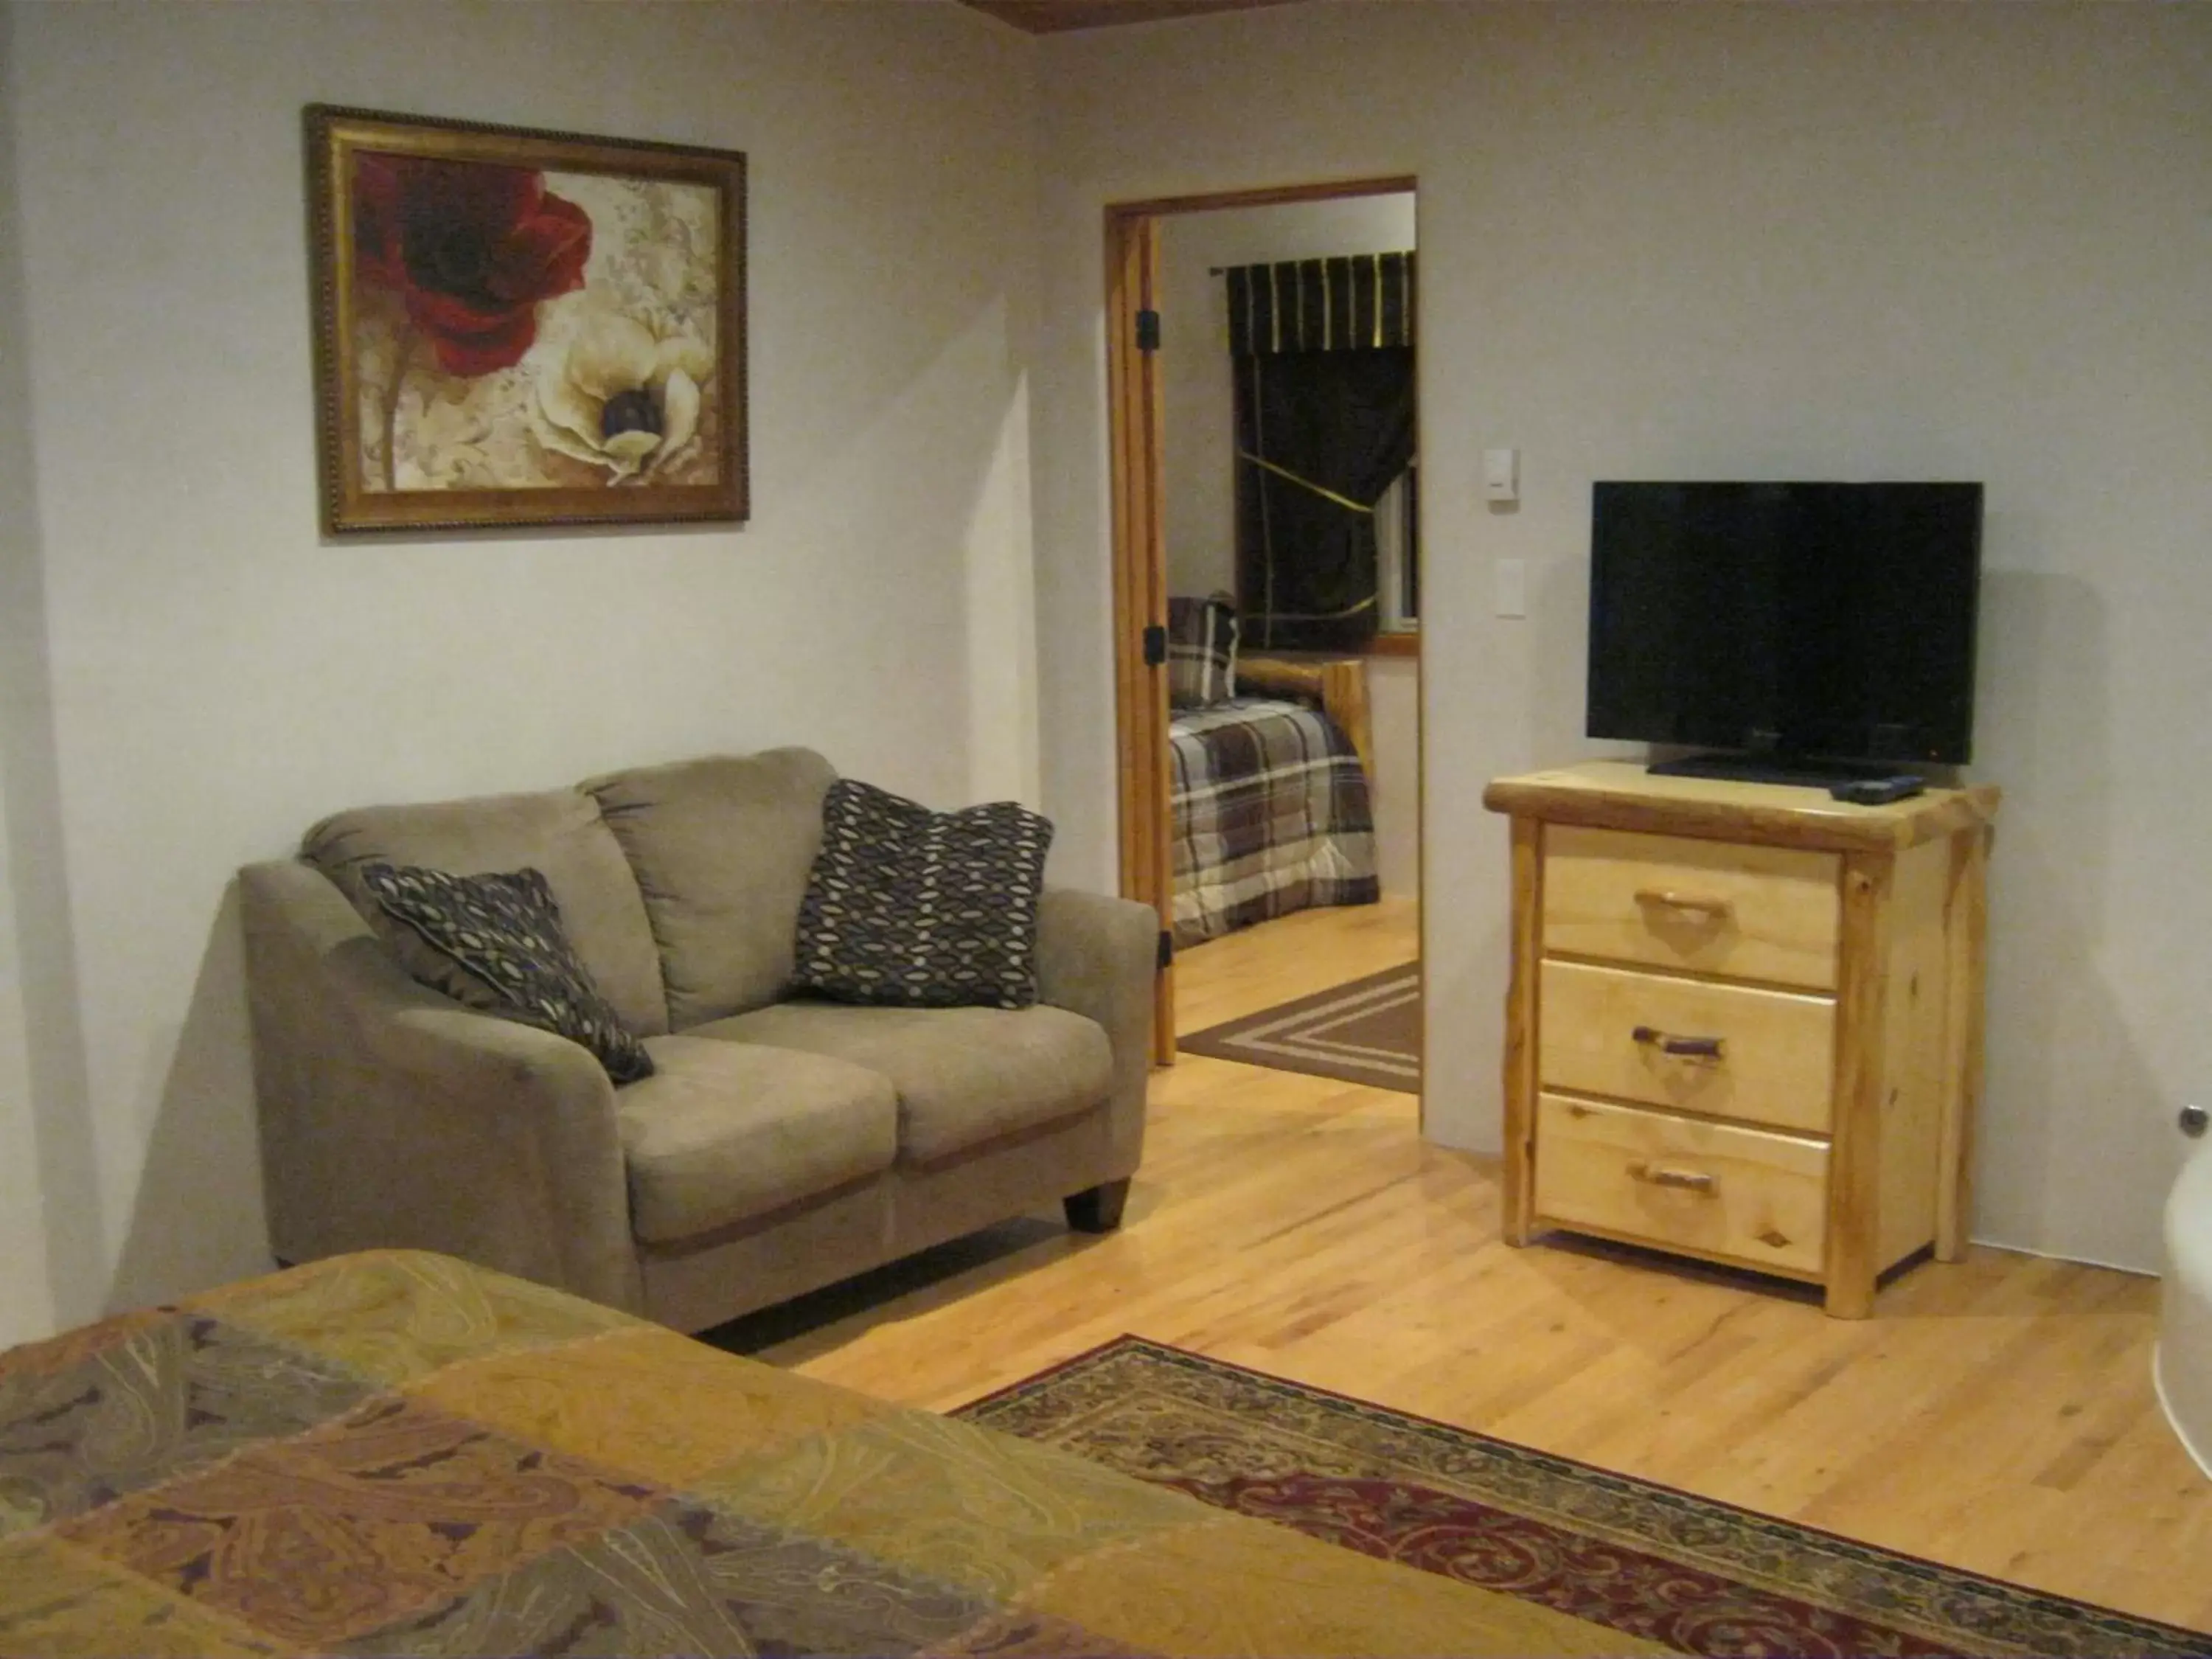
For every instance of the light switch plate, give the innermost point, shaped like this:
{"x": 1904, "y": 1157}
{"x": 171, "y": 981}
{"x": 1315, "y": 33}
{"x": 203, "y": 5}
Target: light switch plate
{"x": 1501, "y": 475}
{"x": 1512, "y": 579}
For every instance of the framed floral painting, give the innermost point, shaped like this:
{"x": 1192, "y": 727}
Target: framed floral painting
{"x": 515, "y": 327}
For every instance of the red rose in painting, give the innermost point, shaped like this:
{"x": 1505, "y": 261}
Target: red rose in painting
{"x": 471, "y": 248}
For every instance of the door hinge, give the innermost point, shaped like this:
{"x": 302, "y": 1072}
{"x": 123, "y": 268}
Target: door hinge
{"x": 1148, "y": 330}
{"x": 1156, "y": 645}
{"x": 1166, "y": 950}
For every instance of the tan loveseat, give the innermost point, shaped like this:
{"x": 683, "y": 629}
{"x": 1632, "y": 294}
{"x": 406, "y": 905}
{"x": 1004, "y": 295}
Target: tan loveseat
{"x": 784, "y": 1142}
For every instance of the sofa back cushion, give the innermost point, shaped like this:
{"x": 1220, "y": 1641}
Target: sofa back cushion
{"x": 720, "y": 847}
{"x": 558, "y": 832}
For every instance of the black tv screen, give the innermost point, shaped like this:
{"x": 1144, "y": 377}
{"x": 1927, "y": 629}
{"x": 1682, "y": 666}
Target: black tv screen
{"x": 1798, "y": 620}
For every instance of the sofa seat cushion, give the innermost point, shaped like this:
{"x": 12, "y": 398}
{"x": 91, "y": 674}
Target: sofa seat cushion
{"x": 723, "y": 1132}
{"x": 965, "y": 1075}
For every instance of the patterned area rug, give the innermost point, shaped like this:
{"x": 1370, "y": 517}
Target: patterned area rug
{"x": 1368, "y": 1031}
{"x": 1691, "y": 1574}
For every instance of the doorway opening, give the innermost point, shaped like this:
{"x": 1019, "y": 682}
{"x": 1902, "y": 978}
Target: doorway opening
{"x": 1262, "y": 374}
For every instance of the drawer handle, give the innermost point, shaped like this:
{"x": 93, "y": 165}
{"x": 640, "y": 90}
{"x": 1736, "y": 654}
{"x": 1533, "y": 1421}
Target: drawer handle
{"x": 1688, "y": 1181}
{"x": 1700, "y": 1047}
{"x": 1668, "y": 899}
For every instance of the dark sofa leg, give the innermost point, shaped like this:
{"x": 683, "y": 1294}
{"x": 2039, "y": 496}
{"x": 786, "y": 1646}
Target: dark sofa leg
{"x": 1097, "y": 1209}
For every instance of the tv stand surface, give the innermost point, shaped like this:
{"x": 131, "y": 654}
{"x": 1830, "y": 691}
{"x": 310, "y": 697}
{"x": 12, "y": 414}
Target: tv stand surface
{"x": 1772, "y": 769}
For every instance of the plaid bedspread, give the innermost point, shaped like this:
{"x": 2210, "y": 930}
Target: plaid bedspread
{"x": 396, "y": 1453}
{"x": 1271, "y": 815}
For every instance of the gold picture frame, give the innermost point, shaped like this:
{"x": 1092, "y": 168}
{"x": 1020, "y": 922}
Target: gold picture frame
{"x": 523, "y": 328}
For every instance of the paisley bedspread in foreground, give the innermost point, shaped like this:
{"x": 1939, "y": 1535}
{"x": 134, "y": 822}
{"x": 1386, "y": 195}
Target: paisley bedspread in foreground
{"x": 396, "y": 1453}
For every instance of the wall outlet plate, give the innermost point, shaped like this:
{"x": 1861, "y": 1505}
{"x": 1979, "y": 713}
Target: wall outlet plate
{"x": 1511, "y": 577}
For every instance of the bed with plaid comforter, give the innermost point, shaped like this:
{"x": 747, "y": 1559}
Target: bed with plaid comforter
{"x": 1271, "y": 814}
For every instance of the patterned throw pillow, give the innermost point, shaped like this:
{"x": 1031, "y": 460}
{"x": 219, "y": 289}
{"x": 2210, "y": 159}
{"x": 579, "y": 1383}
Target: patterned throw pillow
{"x": 922, "y": 909}
{"x": 1202, "y": 650}
{"x": 501, "y": 936}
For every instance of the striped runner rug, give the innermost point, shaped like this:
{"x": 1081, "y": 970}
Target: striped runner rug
{"x": 1368, "y": 1031}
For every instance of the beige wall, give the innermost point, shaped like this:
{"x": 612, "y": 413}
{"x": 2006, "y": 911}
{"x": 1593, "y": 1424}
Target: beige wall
{"x": 26, "y": 1297}
{"x": 203, "y": 676}
{"x": 1827, "y": 241}
{"x": 1394, "y": 693}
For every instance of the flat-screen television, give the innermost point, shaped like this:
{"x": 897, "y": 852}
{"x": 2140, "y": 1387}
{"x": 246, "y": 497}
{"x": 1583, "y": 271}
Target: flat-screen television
{"x": 1825, "y": 627}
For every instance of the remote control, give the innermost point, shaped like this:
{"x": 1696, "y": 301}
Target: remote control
{"x": 1872, "y": 792}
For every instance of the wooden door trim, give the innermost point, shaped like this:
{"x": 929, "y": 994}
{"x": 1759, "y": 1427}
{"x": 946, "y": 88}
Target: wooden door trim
{"x": 1141, "y": 689}
{"x": 1264, "y": 196}
{"x": 1139, "y": 567}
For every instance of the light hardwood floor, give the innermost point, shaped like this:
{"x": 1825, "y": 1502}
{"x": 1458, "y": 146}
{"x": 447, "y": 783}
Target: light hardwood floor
{"x": 1995, "y": 1415}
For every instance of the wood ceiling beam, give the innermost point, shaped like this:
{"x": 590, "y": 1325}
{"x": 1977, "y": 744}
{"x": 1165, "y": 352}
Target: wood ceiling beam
{"x": 1055, "y": 16}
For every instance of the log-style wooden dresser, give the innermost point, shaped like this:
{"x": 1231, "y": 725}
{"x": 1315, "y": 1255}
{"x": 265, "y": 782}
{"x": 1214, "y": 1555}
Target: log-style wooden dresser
{"x": 1745, "y": 1019}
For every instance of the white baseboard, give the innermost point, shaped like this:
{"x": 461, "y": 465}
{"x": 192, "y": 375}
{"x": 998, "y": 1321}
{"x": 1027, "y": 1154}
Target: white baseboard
{"x": 2078, "y": 1260}
{"x": 2195, "y": 1451}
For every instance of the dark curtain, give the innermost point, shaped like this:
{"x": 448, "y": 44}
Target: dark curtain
{"x": 1320, "y": 436}
{"x": 1325, "y": 421}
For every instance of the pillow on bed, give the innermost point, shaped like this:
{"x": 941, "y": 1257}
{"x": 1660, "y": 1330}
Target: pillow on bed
{"x": 1202, "y": 650}
{"x": 914, "y": 909}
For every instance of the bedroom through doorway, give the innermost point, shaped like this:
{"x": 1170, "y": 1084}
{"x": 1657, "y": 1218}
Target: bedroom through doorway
{"x": 1264, "y": 411}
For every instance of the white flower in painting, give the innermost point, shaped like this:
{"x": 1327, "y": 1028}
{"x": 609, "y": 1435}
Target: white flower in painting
{"x": 619, "y": 396}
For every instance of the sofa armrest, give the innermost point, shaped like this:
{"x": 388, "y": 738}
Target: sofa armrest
{"x": 1096, "y": 956}
{"x": 392, "y": 1115}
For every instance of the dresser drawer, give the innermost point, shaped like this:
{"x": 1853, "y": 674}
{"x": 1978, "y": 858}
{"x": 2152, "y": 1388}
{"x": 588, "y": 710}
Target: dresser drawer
{"x": 1624, "y": 1031}
{"x": 1750, "y": 912}
{"x": 1748, "y": 1194}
